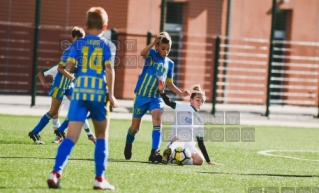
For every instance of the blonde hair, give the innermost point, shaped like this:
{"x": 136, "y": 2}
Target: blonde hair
{"x": 96, "y": 18}
{"x": 196, "y": 89}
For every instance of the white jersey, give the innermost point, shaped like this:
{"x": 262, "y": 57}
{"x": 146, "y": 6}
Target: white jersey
{"x": 51, "y": 71}
{"x": 185, "y": 128}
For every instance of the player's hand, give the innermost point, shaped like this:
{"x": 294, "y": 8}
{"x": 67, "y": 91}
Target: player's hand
{"x": 186, "y": 93}
{"x": 113, "y": 101}
{"x": 161, "y": 86}
{"x": 46, "y": 85}
{"x": 214, "y": 163}
{"x": 158, "y": 38}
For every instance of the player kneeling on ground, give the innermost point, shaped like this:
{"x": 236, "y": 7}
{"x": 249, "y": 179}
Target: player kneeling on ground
{"x": 197, "y": 99}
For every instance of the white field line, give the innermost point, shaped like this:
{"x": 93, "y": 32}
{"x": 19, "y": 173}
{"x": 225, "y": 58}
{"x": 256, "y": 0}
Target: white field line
{"x": 268, "y": 153}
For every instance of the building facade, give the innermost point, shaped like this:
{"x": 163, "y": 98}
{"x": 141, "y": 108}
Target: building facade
{"x": 244, "y": 28}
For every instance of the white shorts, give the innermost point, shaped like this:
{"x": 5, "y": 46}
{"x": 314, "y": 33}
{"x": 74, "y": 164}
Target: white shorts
{"x": 189, "y": 145}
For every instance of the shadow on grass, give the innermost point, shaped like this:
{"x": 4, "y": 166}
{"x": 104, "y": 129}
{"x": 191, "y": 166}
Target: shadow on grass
{"x": 123, "y": 160}
{"x": 76, "y": 159}
{"x": 22, "y": 157}
{"x": 270, "y": 175}
{"x": 16, "y": 142}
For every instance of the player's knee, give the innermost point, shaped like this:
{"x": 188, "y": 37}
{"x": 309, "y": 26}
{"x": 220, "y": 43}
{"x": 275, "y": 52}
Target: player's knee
{"x": 54, "y": 112}
{"x": 197, "y": 160}
{"x": 134, "y": 130}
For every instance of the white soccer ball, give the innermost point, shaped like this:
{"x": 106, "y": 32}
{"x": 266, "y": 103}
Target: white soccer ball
{"x": 181, "y": 155}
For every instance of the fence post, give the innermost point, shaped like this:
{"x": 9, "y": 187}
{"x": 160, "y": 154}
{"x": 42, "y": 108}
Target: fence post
{"x": 271, "y": 50}
{"x": 215, "y": 80}
{"x": 149, "y": 38}
{"x": 35, "y": 51}
{"x": 114, "y": 39}
{"x": 163, "y": 15}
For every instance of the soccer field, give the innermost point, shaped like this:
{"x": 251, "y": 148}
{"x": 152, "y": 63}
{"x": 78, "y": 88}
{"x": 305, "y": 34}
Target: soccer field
{"x": 25, "y": 166}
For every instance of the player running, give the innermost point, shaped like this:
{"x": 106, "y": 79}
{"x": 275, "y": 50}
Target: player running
{"x": 53, "y": 71}
{"x": 62, "y": 86}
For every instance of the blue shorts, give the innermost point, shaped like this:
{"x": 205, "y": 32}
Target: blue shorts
{"x": 79, "y": 109}
{"x": 58, "y": 93}
{"x": 142, "y": 104}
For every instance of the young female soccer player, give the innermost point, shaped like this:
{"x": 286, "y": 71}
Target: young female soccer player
{"x": 197, "y": 99}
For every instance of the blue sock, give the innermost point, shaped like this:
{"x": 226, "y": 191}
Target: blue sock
{"x": 130, "y": 137}
{"x": 63, "y": 126}
{"x": 43, "y": 122}
{"x": 100, "y": 156}
{"x": 156, "y": 137}
{"x": 62, "y": 155}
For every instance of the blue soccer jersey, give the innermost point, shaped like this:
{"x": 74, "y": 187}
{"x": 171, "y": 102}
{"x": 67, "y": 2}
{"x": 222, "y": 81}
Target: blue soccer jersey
{"x": 155, "y": 67}
{"x": 61, "y": 81}
{"x": 91, "y": 54}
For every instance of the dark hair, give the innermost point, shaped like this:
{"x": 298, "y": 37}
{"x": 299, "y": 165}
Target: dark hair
{"x": 96, "y": 18}
{"x": 78, "y": 32}
{"x": 165, "y": 41}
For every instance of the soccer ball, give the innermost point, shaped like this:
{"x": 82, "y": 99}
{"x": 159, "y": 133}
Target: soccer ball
{"x": 181, "y": 155}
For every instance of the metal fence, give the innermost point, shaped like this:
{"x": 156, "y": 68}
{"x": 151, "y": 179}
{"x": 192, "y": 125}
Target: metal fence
{"x": 261, "y": 52}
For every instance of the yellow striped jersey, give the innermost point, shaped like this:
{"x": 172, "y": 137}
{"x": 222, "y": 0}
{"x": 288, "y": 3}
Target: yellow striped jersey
{"x": 91, "y": 54}
{"x": 155, "y": 67}
{"x": 59, "y": 80}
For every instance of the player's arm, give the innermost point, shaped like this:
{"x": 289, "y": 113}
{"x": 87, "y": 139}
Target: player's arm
{"x": 110, "y": 77}
{"x": 68, "y": 61}
{"x": 42, "y": 80}
{"x": 65, "y": 70}
{"x": 202, "y": 148}
{"x": 146, "y": 50}
{"x": 46, "y": 72}
{"x": 176, "y": 90}
{"x": 167, "y": 101}
{"x": 170, "y": 83}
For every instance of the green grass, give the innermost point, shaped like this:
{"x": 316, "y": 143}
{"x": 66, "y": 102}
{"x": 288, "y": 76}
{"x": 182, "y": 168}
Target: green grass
{"x": 24, "y": 166}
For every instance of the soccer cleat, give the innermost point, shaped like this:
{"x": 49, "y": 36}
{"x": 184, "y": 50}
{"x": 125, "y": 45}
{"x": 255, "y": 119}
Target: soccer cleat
{"x": 166, "y": 155}
{"x": 60, "y": 134}
{"x": 92, "y": 138}
{"x": 128, "y": 151}
{"x": 36, "y": 138}
{"x": 53, "y": 180}
{"x": 103, "y": 185}
{"x": 57, "y": 140}
{"x": 155, "y": 157}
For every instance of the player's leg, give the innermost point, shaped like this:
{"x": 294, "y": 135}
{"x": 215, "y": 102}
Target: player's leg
{"x": 64, "y": 150}
{"x": 101, "y": 121}
{"x": 86, "y": 127}
{"x": 197, "y": 157}
{"x": 130, "y": 137}
{"x": 60, "y": 132}
{"x": 168, "y": 151}
{"x": 139, "y": 109}
{"x": 55, "y": 104}
{"x": 56, "y": 124}
{"x": 156, "y": 108}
